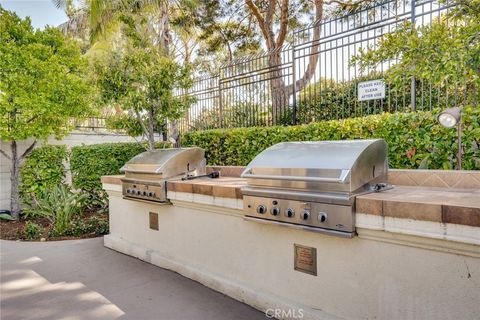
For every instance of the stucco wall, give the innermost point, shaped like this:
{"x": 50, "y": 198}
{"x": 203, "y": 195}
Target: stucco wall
{"x": 357, "y": 278}
{"x": 74, "y": 139}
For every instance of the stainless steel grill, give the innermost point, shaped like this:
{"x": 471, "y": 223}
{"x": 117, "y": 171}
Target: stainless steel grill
{"x": 312, "y": 185}
{"x": 147, "y": 173}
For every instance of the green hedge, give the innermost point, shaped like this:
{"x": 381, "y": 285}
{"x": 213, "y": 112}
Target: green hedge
{"x": 43, "y": 169}
{"x": 89, "y": 162}
{"x": 415, "y": 140}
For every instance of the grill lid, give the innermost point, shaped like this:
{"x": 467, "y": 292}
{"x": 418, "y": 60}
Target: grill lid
{"x": 342, "y": 166}
{"x": 166, "y": 163}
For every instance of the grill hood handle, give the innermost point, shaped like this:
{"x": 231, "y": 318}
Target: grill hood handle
{"x": 342, "y": 179}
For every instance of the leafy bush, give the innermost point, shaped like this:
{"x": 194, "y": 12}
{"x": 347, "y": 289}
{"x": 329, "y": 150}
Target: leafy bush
{"x": 58, "y": 205}
{"x": 89, "y": 163}
{"x": 92, "y": 225}
{"x": 414, "y": 139}
{"x": 32, "y": 230}
{"x": 42, "y": 170}
{"x": 240, "y": 114}
{"x": 443, "y": 54}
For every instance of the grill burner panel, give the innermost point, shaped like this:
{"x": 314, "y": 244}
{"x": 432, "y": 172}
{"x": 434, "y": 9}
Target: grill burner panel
{"x": 145, "y": 191}
{"x": 313, "y": 214}
{"x": 317, "y": 181}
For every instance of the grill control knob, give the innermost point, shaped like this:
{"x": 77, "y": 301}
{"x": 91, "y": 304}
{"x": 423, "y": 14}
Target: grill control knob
{"x": 275, "y": 211}
{"x": 129, "y": 190}
{"x": 305, "y": 215}
{"x": 150, "y": 194}
{"x": 139, "y": 192}
{"x": 261, "y": 209}
{"x": 144, "y": 193}
{"x": 322, "y": 216}
{"x": 289, "y": 213}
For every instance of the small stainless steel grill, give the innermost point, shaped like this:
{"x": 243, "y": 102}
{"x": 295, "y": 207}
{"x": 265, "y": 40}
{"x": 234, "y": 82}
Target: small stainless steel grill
{"x": 147, "y": 173}
{"x": 312, "y": 185}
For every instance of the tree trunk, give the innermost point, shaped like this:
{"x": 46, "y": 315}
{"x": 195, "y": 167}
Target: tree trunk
{"x": 16, "y": 160}
{"x": 277, "y": 85}
{"x": 14, "y": 181}
{"x": 164, "y": 32}
{"x": 151, "y": 130}
{"x": 175, "y": 134}
{"x": 314, "y": 55}
{"x": 280, "y": 93}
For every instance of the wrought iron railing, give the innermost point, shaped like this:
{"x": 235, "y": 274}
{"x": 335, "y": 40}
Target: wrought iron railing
{"x": 315, "y": 79}
{"x": 90, "y": 124}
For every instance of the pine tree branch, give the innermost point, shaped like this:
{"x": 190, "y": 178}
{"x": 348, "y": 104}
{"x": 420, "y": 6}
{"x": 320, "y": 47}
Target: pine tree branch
{"x": 256, "y": 12}
{"x": 270, "y": 12}
{"x": 300, "y": 84}
{"x": 283, "y": 23}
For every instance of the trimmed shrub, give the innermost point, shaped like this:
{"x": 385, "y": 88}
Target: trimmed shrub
{"x": 415, "y": 140}
{"x": 89, "y": 162}
{"x": 43, "y": 169}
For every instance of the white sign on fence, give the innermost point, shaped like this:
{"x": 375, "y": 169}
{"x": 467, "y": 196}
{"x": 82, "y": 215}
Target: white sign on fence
{"x": 371, "y": 90}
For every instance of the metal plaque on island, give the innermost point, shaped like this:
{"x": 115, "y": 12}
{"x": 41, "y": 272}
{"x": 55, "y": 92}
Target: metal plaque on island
{"x": 153, "y": 220}
{"x": 305, "y": 259}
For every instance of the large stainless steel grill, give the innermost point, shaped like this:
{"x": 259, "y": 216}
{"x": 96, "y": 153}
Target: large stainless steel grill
{"x": 312, "y": 185}
{"x": 147, "y": 173}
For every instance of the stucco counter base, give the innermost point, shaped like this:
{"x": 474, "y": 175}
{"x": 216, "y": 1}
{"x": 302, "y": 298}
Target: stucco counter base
{"x": 394, "y": 269}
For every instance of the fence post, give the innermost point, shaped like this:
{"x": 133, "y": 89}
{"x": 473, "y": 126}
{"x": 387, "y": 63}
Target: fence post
{"x": 220, "y": 102}
{"x": 294, "y": 87}
{"x": 413, "y": 93}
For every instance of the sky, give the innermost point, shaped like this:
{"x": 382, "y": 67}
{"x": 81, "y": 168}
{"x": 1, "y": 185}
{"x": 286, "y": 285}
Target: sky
{"x": 41, "y": 12}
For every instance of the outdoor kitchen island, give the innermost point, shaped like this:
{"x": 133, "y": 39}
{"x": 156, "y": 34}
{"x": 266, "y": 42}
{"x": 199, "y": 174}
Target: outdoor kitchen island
{"x": 416, "y": 254}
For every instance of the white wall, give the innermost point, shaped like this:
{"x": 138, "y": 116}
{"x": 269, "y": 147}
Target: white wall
{"x": 357, "y": 278}
{"x": 74, "y": 139}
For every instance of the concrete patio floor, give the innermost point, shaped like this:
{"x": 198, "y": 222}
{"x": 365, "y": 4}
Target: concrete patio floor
{"x": 81, "y": 279}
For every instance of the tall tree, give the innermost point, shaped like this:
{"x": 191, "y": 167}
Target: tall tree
{"x": 105, "y": 14}
{"x": 77, "y": 13}
{"x": 227, "y": 31}
{"x": 142, "y": 80}
{"x": 273, "y": 18}
{"x": 42, "y": 85}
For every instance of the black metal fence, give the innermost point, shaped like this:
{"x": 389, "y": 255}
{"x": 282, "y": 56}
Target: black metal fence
{"x": 316, "y": 78}
{"x": 90, "y": 124}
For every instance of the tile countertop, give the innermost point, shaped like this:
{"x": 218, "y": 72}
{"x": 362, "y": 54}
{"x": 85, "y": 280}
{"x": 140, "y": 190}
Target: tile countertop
{"x": 457, "y": 206}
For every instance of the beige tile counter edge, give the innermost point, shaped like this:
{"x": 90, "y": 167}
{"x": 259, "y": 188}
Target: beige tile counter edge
{"x": 438, "y": 205}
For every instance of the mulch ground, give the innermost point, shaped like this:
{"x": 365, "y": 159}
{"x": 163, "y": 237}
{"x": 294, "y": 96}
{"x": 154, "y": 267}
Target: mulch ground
{"x": 14, "y": 230}
{"x": 9, "y": 230}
